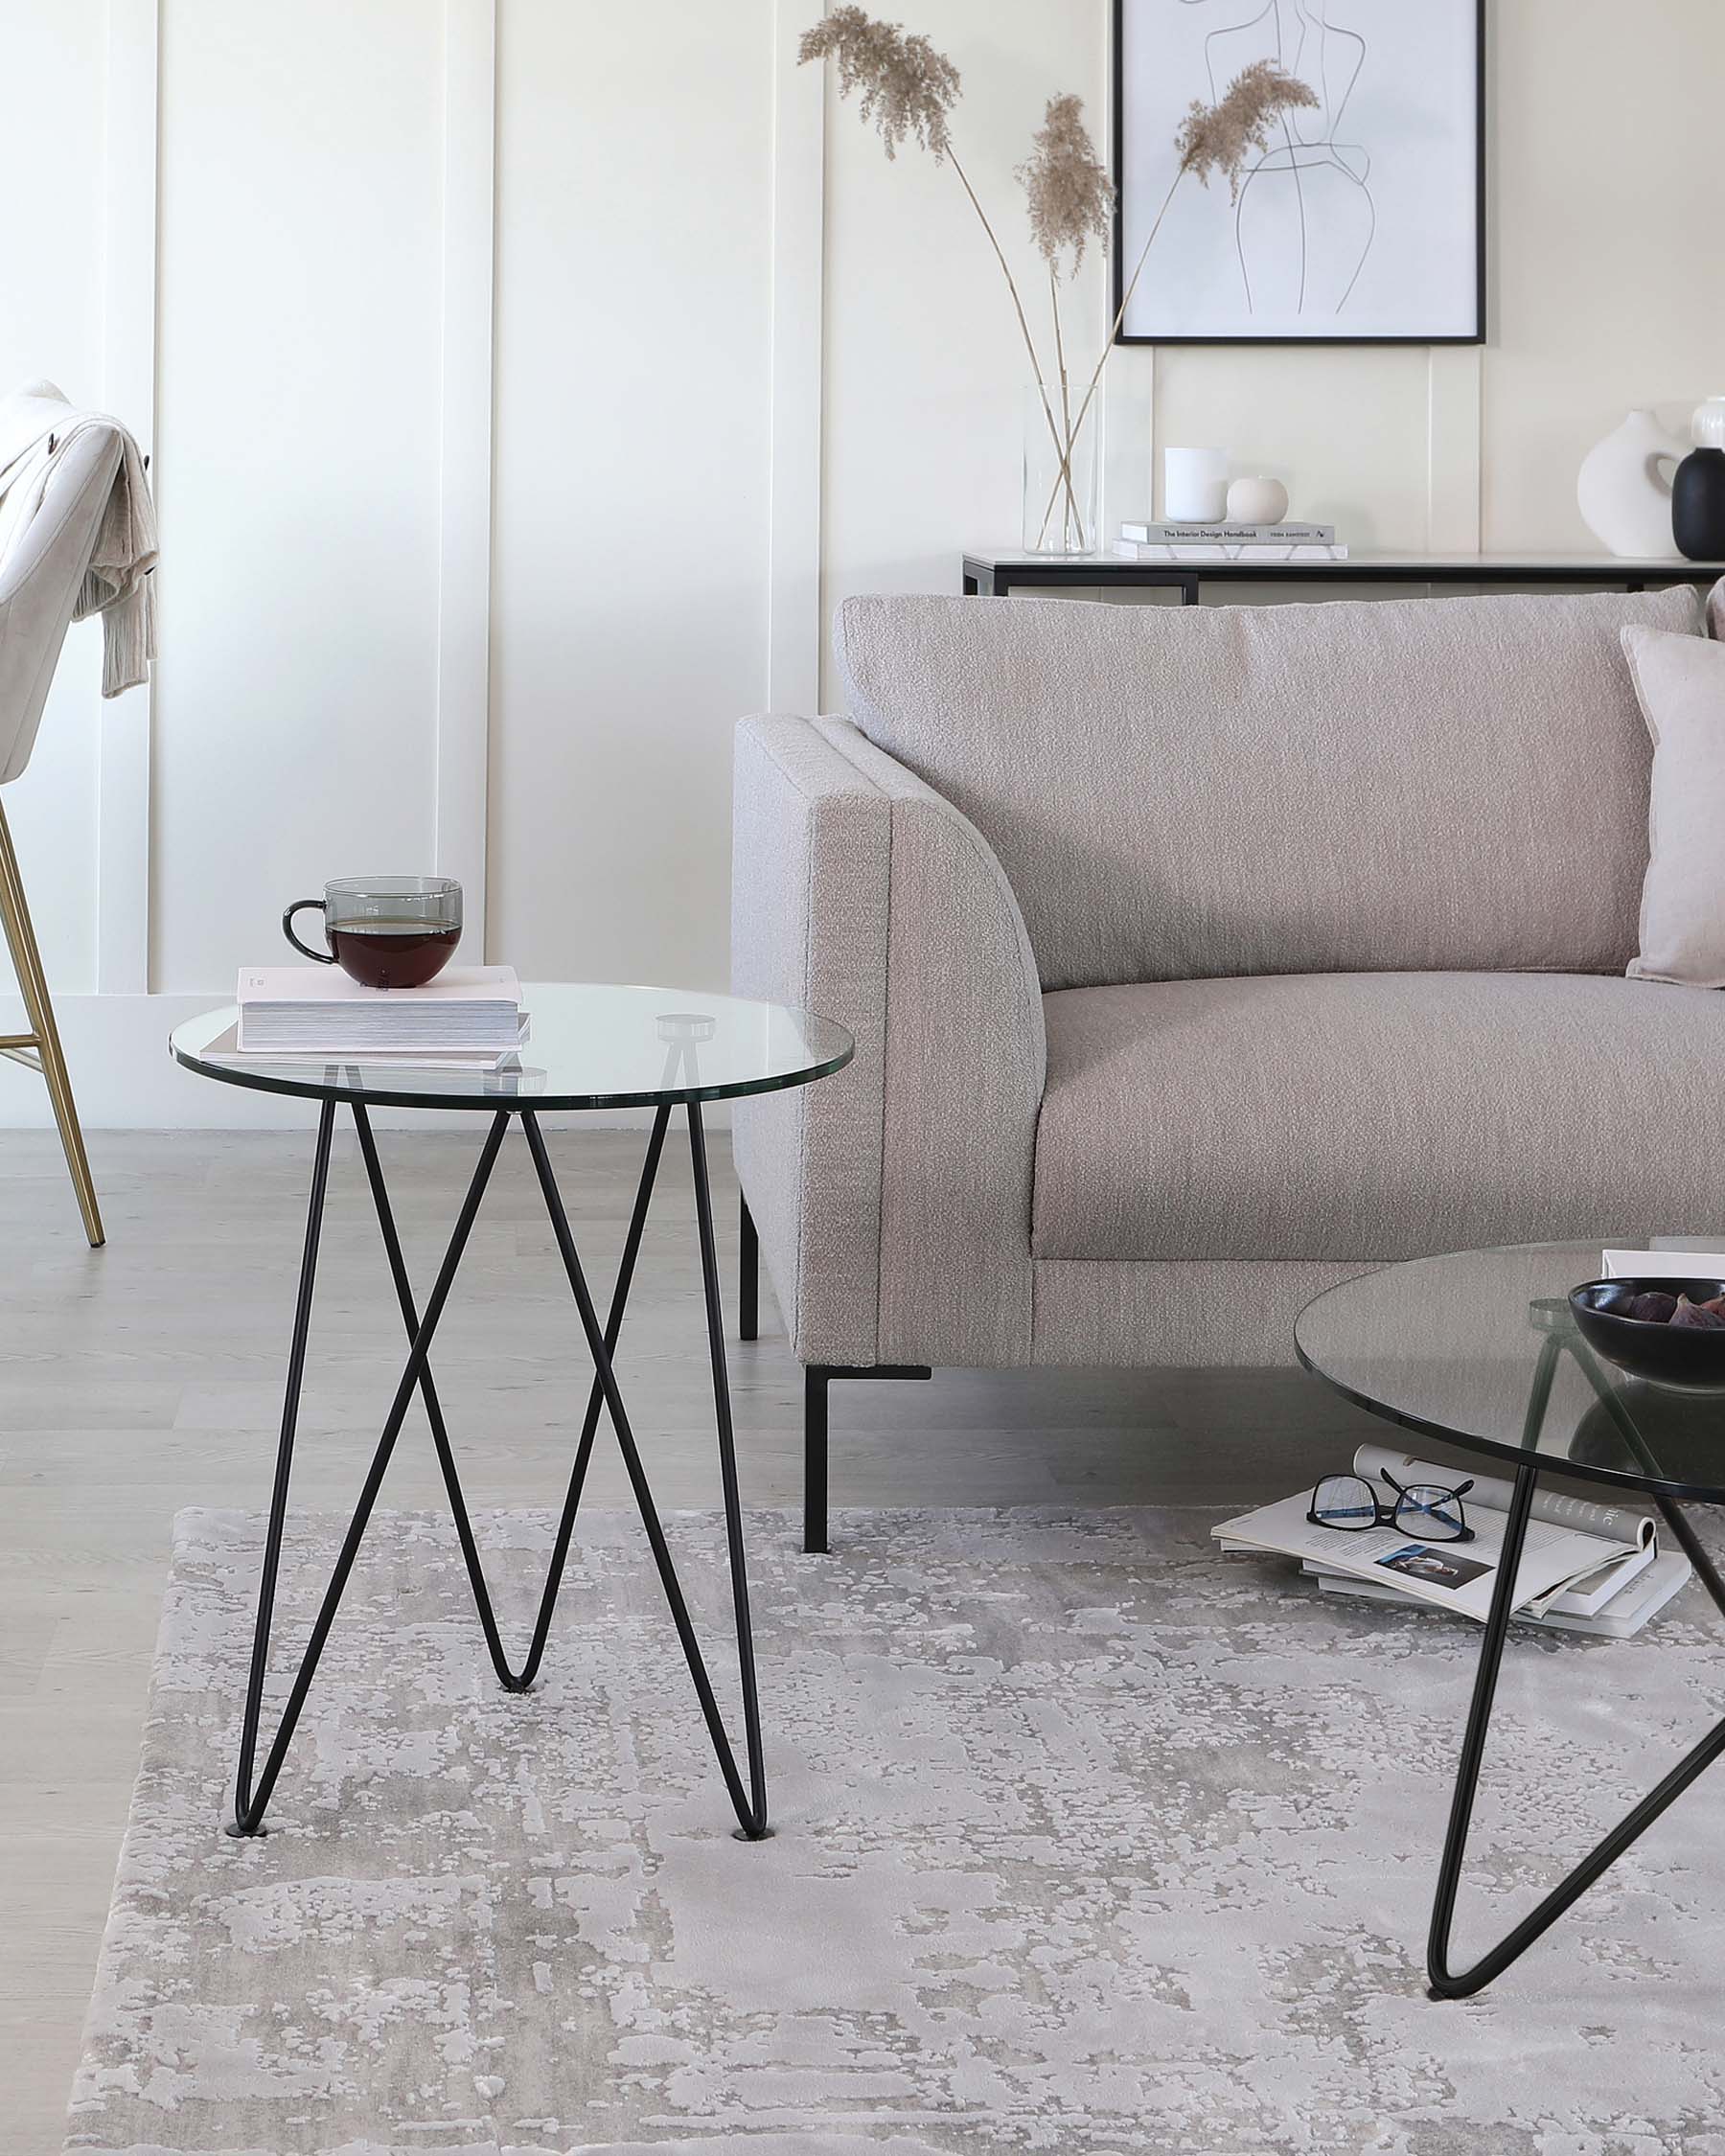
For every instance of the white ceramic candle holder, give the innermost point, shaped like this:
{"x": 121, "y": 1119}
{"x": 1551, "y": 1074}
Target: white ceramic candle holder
{"x": 1194, "y": 486}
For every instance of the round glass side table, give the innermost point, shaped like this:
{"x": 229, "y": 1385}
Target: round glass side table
{"x": 1478, "y": 1349}
{"x": 591, "y": 1047}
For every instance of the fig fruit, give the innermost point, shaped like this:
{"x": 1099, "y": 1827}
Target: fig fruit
{"x": 1654, "y": 1308}
{"x": 1698, "y": 1317}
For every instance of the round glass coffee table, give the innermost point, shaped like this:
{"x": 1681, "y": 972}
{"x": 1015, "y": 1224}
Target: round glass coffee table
{"x": 1479, "y": 1350}
{"x": 590, "y": 1046}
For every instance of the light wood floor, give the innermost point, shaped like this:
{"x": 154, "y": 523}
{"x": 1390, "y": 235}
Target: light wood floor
{"x": 147, "y": 1376}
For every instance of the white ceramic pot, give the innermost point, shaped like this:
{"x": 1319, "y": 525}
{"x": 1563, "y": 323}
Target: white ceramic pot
{"x": 1257, "y": 502}
{"x": 1625, "y": 491}
{"x": 1194, "y": 486}
{"x": 1708, "y": 425}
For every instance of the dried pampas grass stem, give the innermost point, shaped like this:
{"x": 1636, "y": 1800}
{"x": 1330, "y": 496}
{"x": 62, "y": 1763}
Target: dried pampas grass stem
{"x": 1069, "y": 195}
{"x": 1214, "y": 137}
{"x": 1071, "y": 201}
{"x": 908, "y": 89}
{"x": 1220, "y": 137}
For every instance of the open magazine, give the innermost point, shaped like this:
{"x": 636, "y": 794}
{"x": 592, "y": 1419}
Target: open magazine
{"x": 1585, "y": 1566}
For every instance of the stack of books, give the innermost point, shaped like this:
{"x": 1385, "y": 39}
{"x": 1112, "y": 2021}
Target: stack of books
{"x": 1585, "y": 1566}
{"x": 1229, "y": 542}
{"x": 468, "y": 1017}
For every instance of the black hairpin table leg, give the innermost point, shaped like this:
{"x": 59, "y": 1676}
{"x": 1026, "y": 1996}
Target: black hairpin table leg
{"x": 754, "y": 1821}
{"x": 440, "y": 1435}
{"x": 251, "y": 1802}
{"x": 513, "y": 1680}
{"x": 749, "y": 1803}
{"x": 1448, "y": 1984}
{"x": 245, "y": 1820}
{"x": 589, "y": 1424}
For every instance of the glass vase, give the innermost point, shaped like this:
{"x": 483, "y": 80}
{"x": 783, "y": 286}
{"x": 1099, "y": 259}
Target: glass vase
{"x": 1061, "y": 471}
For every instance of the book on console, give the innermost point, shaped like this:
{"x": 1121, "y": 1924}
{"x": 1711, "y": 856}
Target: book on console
{"x": 1217, "y": 550}
{"x": 318, "y": 1009}
{"x": 1228, "y": 533}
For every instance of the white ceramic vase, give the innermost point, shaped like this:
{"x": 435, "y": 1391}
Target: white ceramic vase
{"x": 1624, "y": 492}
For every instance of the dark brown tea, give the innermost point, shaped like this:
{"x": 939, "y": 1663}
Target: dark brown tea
{"x": 393, "y": 954}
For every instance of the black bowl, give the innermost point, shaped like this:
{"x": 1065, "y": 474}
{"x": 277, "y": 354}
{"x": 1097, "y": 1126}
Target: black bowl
{"x": 1690, "y": 1355}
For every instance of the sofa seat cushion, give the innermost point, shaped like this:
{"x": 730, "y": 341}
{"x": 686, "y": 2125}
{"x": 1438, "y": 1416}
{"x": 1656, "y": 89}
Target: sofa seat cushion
{"x": 1363, "y": 1116}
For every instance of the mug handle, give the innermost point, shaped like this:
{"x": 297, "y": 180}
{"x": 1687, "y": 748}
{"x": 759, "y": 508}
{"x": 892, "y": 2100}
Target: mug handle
{"x": 323, "y": 957}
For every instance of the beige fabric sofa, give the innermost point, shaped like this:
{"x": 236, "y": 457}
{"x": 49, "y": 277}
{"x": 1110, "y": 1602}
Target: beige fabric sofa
{"x": 1199, "y": 959}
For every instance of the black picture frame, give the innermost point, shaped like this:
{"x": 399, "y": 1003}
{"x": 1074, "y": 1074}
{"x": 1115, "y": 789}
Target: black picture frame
{"x": 1475, "y": 336}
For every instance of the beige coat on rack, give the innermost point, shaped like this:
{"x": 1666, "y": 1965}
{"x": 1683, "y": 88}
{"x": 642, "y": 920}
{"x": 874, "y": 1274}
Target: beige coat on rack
{"x": 77, "y": 536}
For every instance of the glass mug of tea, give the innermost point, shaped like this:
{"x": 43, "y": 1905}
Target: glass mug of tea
{"x": 385, "y": 931}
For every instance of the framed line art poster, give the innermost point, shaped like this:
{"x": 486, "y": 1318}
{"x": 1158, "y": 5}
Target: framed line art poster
{"x": 1360, "y": 218}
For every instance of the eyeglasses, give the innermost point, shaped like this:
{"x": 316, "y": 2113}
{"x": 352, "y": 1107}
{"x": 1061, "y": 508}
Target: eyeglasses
{"x": 1349, "y": 1503}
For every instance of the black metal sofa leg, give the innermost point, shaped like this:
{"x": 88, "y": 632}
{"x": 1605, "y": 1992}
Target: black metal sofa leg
{"x": 816, "y": 1380}
{"x": 749, "y": 1278}
{"x": 816, "y": 1377}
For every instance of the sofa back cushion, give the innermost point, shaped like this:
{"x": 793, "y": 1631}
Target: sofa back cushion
{"x": 1185, "y": 794}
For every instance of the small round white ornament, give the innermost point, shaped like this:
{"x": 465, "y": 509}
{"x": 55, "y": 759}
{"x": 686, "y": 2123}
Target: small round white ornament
{"x": 1257, "y": 502}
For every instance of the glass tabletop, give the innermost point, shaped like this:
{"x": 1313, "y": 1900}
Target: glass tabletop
{"x": 1448, "y": 1346}
{"x": 590, "y": 1044}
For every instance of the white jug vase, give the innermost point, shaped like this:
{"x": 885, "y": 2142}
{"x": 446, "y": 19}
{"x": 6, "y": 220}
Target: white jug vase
{"x": 1625, "y": 491}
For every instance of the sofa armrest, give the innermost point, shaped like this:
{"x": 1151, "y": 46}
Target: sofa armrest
{"x": 893, "y": 1201}
{"x": 811, "y": 862}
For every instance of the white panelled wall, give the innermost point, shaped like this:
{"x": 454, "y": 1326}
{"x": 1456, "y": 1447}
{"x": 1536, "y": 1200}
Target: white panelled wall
{"x": 527, "y": 379}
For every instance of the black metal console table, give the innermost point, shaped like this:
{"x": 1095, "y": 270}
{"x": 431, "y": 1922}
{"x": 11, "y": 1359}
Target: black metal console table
{"x": 997, "y": 575}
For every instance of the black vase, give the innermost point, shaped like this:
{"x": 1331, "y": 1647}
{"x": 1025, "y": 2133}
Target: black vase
{"x": 1698, "y": 506}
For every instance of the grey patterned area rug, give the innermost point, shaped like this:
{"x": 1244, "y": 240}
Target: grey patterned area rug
{"x": 1089, "y": 1840}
